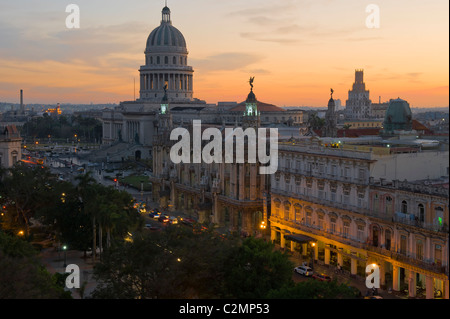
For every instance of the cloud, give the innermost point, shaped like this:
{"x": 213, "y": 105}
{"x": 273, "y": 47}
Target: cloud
{"x": 230, "y": 61}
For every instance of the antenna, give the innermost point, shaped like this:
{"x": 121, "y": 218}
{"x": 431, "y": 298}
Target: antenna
{"x": 134, "y": 89}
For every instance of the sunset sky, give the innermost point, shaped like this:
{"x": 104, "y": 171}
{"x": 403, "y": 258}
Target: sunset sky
{"x": 296, "y": 49}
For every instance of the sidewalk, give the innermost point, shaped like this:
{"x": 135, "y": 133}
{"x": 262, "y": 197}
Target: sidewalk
{"x": 342, "y": 277}
{"x": 54, "y": 263}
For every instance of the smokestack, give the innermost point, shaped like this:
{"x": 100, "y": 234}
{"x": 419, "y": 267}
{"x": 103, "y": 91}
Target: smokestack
{"x": 21, "y": 102}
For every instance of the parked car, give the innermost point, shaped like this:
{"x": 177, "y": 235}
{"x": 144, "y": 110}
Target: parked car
{"x": 188, "y": 221}
{"x": 151, "y": 227}
{"x": 321, "y": 277}
{"x": 304, "y": 270}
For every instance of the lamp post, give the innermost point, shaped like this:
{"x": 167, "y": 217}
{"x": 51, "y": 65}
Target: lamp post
{"x": 312, "y": 255}
{"x": 65, "y": 257}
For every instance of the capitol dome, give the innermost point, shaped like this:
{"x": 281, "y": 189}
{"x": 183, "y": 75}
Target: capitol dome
{"x": 166, "y": 65}
{"x": 166, "y": 37}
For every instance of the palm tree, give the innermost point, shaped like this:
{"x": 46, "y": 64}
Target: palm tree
{"x": 86, "y": 190}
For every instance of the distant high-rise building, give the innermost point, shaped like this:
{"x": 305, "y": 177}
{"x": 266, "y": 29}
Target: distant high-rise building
{"x": 358, "y": 105}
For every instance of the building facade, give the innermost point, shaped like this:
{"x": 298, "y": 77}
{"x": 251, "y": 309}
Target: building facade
{"x": 10, "y": 146}
{"x": 337, "y": 199}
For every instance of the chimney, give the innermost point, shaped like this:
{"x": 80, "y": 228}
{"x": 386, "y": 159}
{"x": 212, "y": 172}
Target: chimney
{"x": 21, "y": 102}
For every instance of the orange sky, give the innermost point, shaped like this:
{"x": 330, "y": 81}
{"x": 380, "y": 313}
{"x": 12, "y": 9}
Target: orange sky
{"x": 296, "y": 49}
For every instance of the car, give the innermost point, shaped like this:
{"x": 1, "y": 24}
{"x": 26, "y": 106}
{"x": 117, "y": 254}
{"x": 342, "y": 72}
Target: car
{"x": 155, "y": 215}
{"x": 304, "y": 270}
{"x": 164, "y": 219}
{"x": 173, "y": 220}
{"x": 321, "y": 277}
{"x": 151, "y": 227}
{"x": 188, "y": 221}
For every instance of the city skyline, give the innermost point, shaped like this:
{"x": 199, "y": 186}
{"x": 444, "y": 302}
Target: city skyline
{"x": 296, "y": 49}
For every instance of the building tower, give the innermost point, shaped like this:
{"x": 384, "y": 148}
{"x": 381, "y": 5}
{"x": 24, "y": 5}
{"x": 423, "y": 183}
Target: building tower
{"x": 252, "y": 117}
{"x": 330, "y": 127}
{"x": 359, "y": 105}
{"x": 166, "y": 64}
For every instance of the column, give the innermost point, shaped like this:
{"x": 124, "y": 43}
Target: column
{"x": 316, "y": 252}
{"x": 354, "y": 266}
{"x": 283, "y": 241}
{"x": 292, "y": 246}
{"x": 429, "y": 287}
{"x": 340, "y": 260}
{"x": 445, "y": 292}
{"x": 327, "y": 256}
{"x": 395, "y": 278}
{"x": 412, "y": 284}
{"x": 382, "y": 273}
{"x": 273, "y": 235}
{"x": 304, "y": 249}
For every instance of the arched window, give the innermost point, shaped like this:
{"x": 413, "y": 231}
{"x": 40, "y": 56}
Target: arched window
{"x": 174, "y": 60}
{"x": 388, "y": 205}
{"x": 166, "y": 60}
{"x": 158, "y": 60}
{"x": 151, "y": 60}
{"x": 421, "y": 213}
{"x": 181, "y": 60}
{"x": 387, "y": 239}
{"x": 404, "y": 207}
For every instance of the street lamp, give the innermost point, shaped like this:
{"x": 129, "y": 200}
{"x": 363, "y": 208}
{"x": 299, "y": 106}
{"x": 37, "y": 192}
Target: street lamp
{"x": 65, "y": 257}
{"x": 312, "y": 254}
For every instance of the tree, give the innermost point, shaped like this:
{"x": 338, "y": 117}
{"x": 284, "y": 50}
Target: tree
{"x": 255, "y": 269}
{"x": 25, "y": 191}
{"x": 22, "y": 275}
{"x": 172, "y": 264}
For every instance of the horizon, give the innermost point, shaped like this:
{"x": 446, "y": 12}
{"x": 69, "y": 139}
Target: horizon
{"x": 296, "y": 50}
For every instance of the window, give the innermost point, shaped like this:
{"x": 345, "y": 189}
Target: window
{"x": 439, "y": 216}
{"x": 404, "y": 207}
{"x": 320, "y": 220}
{"x": 362, "y": 174}
{"x": 421, "y": 213}
{"x": 402, "y": 244}
{"x": 166, "y": 60}
{"x": 308, "y": 218}
{"x": 388, "y": 239}
{"x": 158, "y": 60}
{"x": 346, "y": 229}
{"x": 360, "y": 233}
{"x": 333, "y": 225}
{"x": 174, "y": 60}
{"x": 438, "y": 254}
{"x": 298, "y": 216}
{"x": 419, "y": 250}
{"x": 376, "y": 203}
{"x": 388, "y": 205}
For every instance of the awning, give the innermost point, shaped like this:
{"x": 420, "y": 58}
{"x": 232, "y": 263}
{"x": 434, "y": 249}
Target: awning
{"x": 302, "y": 239}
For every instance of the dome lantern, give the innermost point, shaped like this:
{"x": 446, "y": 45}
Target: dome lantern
{"x": 166, "y": 15}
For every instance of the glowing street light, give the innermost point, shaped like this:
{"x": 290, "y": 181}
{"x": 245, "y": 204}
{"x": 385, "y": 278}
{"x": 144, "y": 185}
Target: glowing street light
{"x": 65, "y": 256}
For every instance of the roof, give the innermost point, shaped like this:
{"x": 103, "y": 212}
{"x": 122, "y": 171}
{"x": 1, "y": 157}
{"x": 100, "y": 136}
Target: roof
{"x": 261, "y": 106}
{"x": 299, "y": 238}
